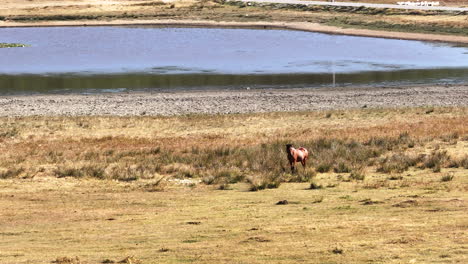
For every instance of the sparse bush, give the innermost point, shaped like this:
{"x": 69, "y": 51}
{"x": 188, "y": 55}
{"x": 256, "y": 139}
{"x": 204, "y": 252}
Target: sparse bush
{"x": 397, "y": 163}
{"x": 387, "y": 143}
{"x": 265, "y": 181}
{"x": 224, "y": 176}
{"x": 337, "y": 250}
{"x": 209, "y": 179}
{"x": 10, "y": 173}
{"x": 157, "y": 185}
{"x": 8, "y": 133}
{"x": 324, "y": 167}
{"x": 67, "y": 260}
{"x": 301, "y": 176}
{"x": 318, "y": 199}
{"x": 376, "y": 184}
{"x": 130, "y": 260}
{"x": 68, "y": 172}
{"x": 341, "y": 167}
{"x": 457, "y": 163}
{"x": 224, "y": 186}
{"x": 179, "y": 170}
{"x": 430, "y": 110}
{"x": 357, "y": 175}
{"x": 446, "y": 178}
{"x": 435, "y": 161}
{"x": 451, "y": 138}
{"x": 95, "y": 171}
{"x": 123, "y": 172}
{"x": 395, "y": 177}
{"x": 463, "y": 162}
{"x": 315, "y": 186}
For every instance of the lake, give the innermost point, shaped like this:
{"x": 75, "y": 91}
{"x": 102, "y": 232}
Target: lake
{"x": 107, "y": 59}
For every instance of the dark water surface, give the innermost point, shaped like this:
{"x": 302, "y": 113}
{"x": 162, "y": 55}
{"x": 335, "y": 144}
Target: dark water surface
{"x": 99, "y": 59}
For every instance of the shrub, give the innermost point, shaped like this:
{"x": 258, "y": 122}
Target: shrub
{"x": 224, "y": 186}
{"x": 324, "y": 167}
{"x": 315, "y": 186}
{"x": 10, "y": 173}
{"x": 9, "y": 133}
{"x": 68, "y": 172}
{"x": 301, "y": 176}
{"x": 209, "y": 179}
{"x": 341, "y": 167}
{"x": 447, "y": 177}
{"x": 357, "y": 175}
{"x": 435, "y": 161}
{"x": 158, "y": 185}
{"x": 318, "y": 199}
{"x": 94, "y": 171}
{"x": 397, "y": 163}
{"x": 224, "y": 176}
{"x": 67, "y": 260}
{"x": 337, "y": 250}
{"x": 266, "y": 181}
{"x": 457, "y": 163}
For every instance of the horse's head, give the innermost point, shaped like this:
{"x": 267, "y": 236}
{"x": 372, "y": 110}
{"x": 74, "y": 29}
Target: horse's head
{"x": 288, "y": 147}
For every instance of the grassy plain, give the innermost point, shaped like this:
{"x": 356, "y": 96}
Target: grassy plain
{"x": 383, "y": 186}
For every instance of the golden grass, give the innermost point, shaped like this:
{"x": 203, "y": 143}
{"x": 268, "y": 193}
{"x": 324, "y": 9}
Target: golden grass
{"x": 103, "y": 189}
{"x": 418, "y": 218}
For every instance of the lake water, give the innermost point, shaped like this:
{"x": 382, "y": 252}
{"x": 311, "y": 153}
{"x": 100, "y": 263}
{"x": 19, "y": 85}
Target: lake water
{"x": 96, "y": 59}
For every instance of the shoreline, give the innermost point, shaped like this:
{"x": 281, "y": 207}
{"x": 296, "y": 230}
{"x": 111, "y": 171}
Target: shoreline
{"x": 301, "y": 26}
{"x": 232, "y": 101}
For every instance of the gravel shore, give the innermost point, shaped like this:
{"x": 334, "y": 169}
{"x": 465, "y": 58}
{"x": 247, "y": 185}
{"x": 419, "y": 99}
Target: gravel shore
{"x": 231, "y": 101}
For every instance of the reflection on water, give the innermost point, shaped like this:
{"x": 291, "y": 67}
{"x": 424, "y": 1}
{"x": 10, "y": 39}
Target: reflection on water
{"x": 83, "y": 58}
{"x": 140, "y": 81}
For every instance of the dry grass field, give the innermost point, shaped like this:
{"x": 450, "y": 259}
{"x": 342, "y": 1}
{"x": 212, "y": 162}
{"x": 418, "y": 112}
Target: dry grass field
{"x": 30, "y": 11}
{"x": 382, "y": 186}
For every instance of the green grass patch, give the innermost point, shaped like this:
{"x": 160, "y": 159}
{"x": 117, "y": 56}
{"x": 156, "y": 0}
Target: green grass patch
{"x": 13, "y": 45}
{"x": 432, "y": 28}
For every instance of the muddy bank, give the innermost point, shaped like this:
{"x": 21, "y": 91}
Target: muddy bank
{"x": 232, "y": 101}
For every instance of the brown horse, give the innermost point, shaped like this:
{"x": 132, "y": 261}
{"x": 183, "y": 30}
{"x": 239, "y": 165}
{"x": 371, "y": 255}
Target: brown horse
{"x": 296, "y": 155}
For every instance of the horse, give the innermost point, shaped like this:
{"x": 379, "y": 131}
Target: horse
{"x": 296, "y": 155}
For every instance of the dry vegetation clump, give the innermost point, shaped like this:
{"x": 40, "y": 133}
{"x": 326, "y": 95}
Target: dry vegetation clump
{"x": 447, "y": 178}
{"x": 398, "y": 163}
{"x": 130, "y": 260}
{"x": 459, "y": 163}
{"x": 67, "y": 260}
{"x": 10, "y": 173}
{"x": 264, "y": 181}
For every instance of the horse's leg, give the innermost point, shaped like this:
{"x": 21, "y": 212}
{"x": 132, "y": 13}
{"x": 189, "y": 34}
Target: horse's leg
{"x": 292, "y": 163}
